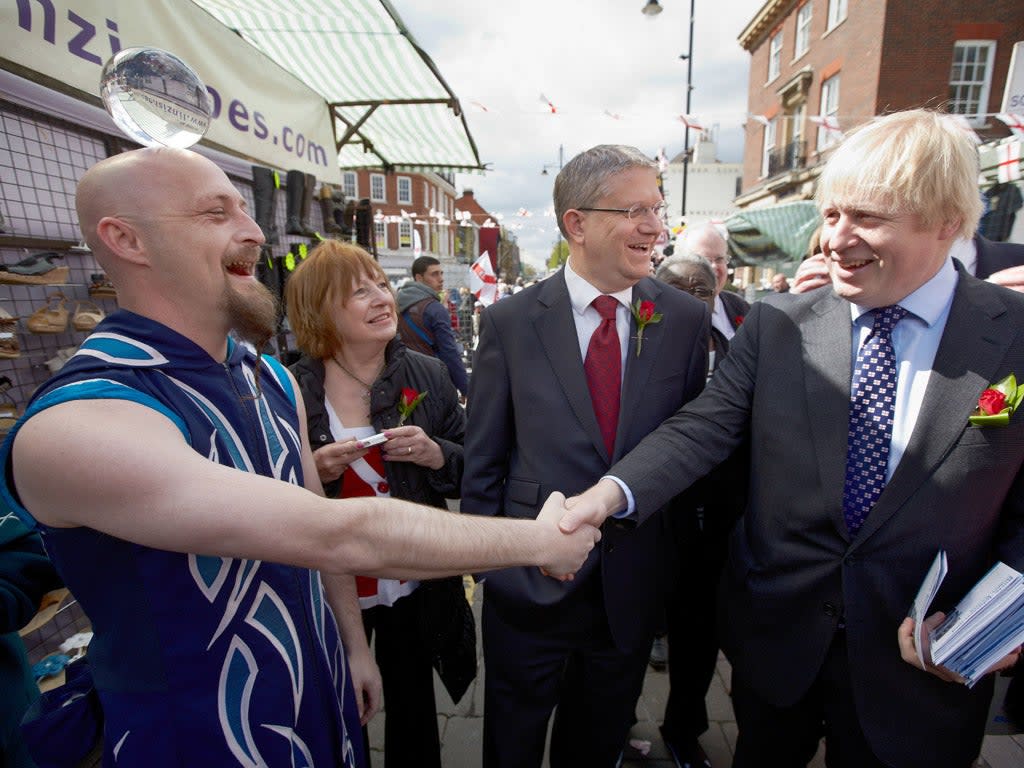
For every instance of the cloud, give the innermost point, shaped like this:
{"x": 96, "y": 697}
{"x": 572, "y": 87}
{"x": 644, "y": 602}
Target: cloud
{"x": 588, "y": 59}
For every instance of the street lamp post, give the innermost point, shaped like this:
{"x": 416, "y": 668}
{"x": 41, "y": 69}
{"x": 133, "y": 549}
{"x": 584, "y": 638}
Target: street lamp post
{"x": 544, "y": 172}
{"x": 653, "y": 8}
{"x": 688, "y": 56}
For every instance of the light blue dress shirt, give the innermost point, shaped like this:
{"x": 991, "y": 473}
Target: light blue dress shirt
{"x": 915, "y": 340}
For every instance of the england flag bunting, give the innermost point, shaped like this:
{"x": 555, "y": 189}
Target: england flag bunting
{"x": 482, "y": 280}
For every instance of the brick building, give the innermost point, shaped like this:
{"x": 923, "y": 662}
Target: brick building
{"x": 818, "y": 65}
{"x": 413, "y": 214}
{"x": 481, "y": 231}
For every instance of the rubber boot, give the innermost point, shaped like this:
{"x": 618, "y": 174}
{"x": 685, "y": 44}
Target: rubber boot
{"x": 348, "y": 220}
{"x": 364, "y": 226}
{"x": 309, "y": 187}
{"x": 264, "y": 192}
{"x": 298, "y": 195}
{"x": 269, "y": 272}
{"x": 331, "y": 207}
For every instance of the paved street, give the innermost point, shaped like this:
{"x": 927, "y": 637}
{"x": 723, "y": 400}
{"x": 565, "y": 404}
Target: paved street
{"x": 462, "y": 726}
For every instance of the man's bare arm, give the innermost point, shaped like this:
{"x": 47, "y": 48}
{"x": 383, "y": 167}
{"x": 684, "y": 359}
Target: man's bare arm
{"x": 126, "y": 470}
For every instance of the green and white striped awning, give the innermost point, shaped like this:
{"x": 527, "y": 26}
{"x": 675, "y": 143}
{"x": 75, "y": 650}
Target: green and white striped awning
{"x": 390, "y": 105}
{"x": 774, "y": 234}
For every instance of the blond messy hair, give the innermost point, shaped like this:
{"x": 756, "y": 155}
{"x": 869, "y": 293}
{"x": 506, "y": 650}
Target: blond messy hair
{"x": 915, "y": 162}
{"x": 325, "y": 276}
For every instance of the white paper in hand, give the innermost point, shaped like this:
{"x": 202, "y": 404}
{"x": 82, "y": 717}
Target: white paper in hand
{"x": 925, "y": 595}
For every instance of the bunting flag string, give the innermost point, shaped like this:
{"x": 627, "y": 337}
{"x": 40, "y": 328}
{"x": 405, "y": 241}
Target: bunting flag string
{"x": 1014, "y": 122}
{"x": 547, "y": 101}
{"x": 1009, "y": 161}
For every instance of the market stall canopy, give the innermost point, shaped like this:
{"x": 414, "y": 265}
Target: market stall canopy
{"x": 774, "y": 234}
{"x": 391, "y": 107}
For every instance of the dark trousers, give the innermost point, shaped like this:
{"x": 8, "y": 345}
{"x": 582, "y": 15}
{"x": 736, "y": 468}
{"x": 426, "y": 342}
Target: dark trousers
{"x": 698, "y": 554}
{"x": 410, "y": 721}
{"x": 787, "y": 737}
{"x": 572, "y": 665}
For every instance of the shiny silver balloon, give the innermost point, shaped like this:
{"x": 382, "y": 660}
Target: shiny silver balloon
{"x": 156, "y": 98}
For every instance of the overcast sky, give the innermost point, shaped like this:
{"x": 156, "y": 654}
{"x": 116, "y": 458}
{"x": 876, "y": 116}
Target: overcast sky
{"x": 591, "y": 59}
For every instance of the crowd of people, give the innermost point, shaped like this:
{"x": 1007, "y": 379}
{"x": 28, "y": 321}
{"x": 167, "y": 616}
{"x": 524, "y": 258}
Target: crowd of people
{"x": 638, "y": 456}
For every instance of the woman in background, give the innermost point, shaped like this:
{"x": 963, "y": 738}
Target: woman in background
{"x": 353, "y": 375}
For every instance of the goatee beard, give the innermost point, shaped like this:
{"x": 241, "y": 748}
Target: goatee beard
{"x": 254, "y": 314}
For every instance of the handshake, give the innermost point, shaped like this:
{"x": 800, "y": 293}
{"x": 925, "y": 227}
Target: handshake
{"x": 575, "y": 522}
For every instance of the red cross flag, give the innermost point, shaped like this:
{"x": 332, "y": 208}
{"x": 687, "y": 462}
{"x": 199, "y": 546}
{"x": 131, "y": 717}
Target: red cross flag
{"x": 482, "y": 280}
{"x": 829, "y": 123}
{"x": 1009, "y": 161}
{"x": 547, "y": 101}
{"x": 1014, "y": 122}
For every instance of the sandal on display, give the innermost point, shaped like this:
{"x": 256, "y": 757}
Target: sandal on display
{"x": 53, "y": 318}
{"x": 61, "y": 357}
{"x": 101, "y": 287}
{"x": 9, "y": 347}
{"x": 35, "y": 269}
{"x": 87, "y": 316}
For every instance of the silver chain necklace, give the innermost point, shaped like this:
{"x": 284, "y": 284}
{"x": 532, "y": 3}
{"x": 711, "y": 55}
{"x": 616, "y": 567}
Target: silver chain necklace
{"x": 365, "y": 395}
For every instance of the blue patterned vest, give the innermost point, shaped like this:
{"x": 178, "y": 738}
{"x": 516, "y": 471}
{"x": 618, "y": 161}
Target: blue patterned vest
{"x": 201, "y": 660}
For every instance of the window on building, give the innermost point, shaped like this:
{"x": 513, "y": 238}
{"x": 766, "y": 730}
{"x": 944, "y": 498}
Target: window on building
{"x": 836, "y": 12}
{"x": 775, "y": 56}
{"x": 404, "y": 189}
{"x": 971, "y": 78}
{"x": 377, "y": 188}
{"x": 380, "y": 234}
{"x": 350, "y": 185}
{"x": 769, "y": 145}
{"x": 803, "y": 30}
{"x": 405, "y": 234}
{"x": 829, "y": 112}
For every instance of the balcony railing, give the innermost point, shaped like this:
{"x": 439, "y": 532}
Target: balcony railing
{"x": 788, "y": 158}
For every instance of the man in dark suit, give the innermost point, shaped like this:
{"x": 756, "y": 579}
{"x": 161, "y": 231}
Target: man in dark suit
{"x": 541, "y": 417}
{"x": 835, "y": 541}
{"x": 706, "y": 241}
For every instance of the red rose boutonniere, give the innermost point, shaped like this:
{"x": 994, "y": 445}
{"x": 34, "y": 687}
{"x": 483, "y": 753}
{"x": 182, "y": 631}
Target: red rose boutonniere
{"x": 738, "y": 320}
{"x": 644, "y": 314}
{"x": 997, "y": 403}
{"x": 407, "y": 403}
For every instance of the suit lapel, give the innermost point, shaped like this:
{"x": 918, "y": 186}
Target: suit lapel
{"x": 556, "y": 328}
{"x": 827, "y": 370}
{"x": 974, "y": 342}
{"x": 639, "y": 367}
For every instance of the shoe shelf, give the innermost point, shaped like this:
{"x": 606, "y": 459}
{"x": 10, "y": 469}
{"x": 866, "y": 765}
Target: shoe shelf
{"x": 38, "y": 243}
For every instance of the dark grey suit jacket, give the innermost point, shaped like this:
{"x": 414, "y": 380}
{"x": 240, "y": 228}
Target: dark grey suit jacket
{"x": 532, "y": 431}
{"x": 793, "y": 572}
{"x": 993, "y": 256}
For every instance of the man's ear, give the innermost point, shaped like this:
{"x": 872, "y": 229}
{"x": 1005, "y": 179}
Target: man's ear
{"x": 122, "y": 239}
{"x": 573, "y": 221}
{"x": 950, "y": 229}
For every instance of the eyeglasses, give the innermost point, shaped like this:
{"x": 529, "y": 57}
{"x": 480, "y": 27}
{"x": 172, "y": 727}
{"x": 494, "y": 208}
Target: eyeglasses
{"x": 714, "y": 259}
{"x": 635, "y": 212}
{"x": 700, "y": 292}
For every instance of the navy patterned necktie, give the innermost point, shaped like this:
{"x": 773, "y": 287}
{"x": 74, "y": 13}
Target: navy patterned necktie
{"x": 872, "y": 402}
{"x": 603, "y": 368}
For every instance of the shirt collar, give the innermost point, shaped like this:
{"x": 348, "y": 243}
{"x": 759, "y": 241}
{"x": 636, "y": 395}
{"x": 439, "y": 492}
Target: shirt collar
{"x": 929, "y": 301}
{"x": 582, "y": 293}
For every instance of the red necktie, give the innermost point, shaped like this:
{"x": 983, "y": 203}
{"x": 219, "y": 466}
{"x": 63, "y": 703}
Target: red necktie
{"x": 603, "y": 367}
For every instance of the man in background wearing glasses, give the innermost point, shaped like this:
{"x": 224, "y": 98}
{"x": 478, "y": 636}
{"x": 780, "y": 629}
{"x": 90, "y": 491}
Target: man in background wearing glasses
{"x": 566, "y": 379}
{"x": 730, "y": 308}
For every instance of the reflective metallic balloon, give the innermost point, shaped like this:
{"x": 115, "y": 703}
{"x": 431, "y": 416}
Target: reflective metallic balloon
{"x": 155, "y": 98}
